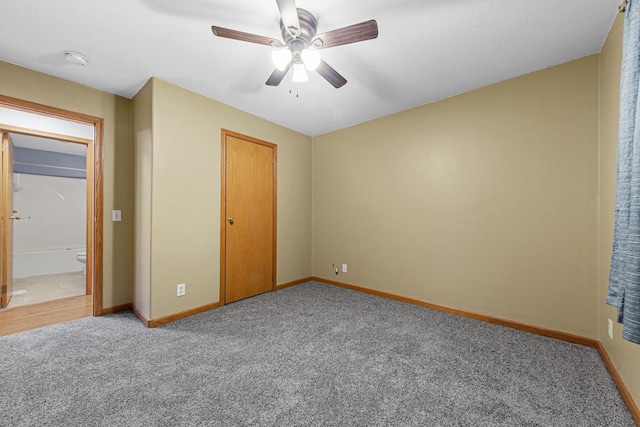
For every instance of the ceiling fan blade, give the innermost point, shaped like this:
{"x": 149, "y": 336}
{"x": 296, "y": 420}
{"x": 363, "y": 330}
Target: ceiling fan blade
{"x": 289, "y": 14}
{"x": 276, "y": 77}
{"x": 245, "y": 37}
{"x": 353, "y": 33}
{"x": 331, "y": 75}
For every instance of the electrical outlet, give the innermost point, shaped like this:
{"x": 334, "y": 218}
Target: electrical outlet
{"x": 610, "y": 329}
{"x": 344, "y": 268}
{"x": 181, "y": 289}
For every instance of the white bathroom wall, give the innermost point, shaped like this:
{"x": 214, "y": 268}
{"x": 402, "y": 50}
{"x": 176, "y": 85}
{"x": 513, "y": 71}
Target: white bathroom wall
{"x": 52, "y": 212}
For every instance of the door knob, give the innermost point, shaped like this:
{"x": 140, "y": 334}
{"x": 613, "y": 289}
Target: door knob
{"x": 15, "y": 217}
{"x": 230, "y": 219}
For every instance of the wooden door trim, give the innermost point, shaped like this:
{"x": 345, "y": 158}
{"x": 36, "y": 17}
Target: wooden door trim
{"x": 43, "y": 134}
{"x": 95, "y": 196}
{"x": 7, "y": 222}
{"x": 223, "y": 208}
{"x": 4, "y": 291}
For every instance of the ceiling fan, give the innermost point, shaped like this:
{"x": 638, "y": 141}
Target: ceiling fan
{"x": 301, "y": 43}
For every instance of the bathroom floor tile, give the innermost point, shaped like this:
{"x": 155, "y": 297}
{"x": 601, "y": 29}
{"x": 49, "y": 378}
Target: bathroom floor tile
{"x": 35, "y": 289}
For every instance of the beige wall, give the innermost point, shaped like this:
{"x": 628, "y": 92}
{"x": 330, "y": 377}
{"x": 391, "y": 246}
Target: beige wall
{"x": 118, "y": 248}
{"x": 624, "y": 355}
{"x": 486, "y": 201}
{"x": 185, "y": 227}
{"x": 142, "y": 140}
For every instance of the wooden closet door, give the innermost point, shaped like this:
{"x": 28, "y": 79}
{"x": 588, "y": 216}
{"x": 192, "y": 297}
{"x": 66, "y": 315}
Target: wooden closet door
{"x": 248, "y": 217}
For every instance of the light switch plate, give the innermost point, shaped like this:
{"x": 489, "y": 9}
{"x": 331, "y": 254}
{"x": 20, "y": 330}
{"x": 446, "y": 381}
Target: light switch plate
{"x": 116, "y": 215}
{"x": 181, "y": 289}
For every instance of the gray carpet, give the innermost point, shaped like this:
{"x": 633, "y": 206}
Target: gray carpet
{"x": 312, "y": 355}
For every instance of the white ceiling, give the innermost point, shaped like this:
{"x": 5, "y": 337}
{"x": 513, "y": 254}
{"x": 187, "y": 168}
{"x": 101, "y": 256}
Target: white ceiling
{"x": 426, "y": 49}
{"x": 45, "y": 144}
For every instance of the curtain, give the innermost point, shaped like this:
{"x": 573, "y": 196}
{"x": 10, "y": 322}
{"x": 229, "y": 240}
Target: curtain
{"x": 624, "y": 277}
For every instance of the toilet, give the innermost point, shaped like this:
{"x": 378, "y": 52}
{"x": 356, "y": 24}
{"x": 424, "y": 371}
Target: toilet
{"x": 82, "y": 257}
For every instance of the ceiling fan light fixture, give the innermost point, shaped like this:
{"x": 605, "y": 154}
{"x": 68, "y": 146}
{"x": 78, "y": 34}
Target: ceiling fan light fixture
{"x": 299, "y": 73}
{"x": 281, "y": 58}
{"x": 311, "y": 59}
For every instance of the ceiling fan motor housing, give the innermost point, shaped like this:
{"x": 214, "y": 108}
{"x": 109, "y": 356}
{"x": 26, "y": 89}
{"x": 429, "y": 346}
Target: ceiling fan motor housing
{"x": 306, "y": 32}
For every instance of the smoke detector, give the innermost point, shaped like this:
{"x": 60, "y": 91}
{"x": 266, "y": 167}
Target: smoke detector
{"x": 75, "y": 58}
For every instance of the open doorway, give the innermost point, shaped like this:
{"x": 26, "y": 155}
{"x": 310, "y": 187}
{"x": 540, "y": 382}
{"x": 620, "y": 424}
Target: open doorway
{"x": 35, "y": 131}
{"x": 49, "y": 219}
